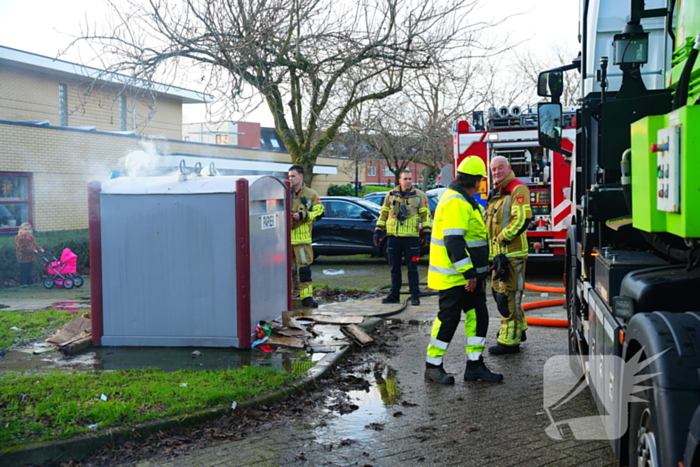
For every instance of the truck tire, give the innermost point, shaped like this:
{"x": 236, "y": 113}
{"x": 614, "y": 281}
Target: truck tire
{"x": 658, "y": 424}
{"x": 643, "y": 439}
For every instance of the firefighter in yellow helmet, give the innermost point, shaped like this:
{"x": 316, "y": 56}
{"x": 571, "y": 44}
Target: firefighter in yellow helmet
{"x": 508, "y": 214}
{"x": 458, "y": 268}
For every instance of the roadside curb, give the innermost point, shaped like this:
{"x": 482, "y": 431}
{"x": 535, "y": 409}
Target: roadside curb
{"x": 65, "y": 450}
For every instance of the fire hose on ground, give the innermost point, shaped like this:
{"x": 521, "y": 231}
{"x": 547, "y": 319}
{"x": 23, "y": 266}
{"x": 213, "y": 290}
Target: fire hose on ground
{"x": 531, "y": 320}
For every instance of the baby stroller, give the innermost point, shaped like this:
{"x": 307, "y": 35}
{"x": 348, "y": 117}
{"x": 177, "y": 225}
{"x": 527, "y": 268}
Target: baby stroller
{"x": 64, "y": 271}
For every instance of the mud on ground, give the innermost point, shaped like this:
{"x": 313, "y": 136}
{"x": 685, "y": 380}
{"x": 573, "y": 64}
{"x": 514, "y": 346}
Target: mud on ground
{"x": 328, "y": 399}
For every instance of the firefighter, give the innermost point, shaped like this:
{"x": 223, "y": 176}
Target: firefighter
{"x": 508, "y": 215}
{"x": 458, "y": 270}
{"x": 306, "y": 207}
{"x": 405, "y": 220}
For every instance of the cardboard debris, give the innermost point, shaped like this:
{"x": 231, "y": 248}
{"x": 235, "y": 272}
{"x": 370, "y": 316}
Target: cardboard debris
{"x": 290, "y": 332}
{"x": 79, "y": 326}
{"x": 294, "y": 324}
{"x": 357, "y": 335}
{"x": 76, "y": 345}
{"x": 282, "y": 341}
{"x": 322, "y": 319}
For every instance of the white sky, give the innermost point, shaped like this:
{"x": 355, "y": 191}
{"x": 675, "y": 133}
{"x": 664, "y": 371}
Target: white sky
{"x": 47, "y": 26}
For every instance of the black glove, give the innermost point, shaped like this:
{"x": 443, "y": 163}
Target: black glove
{"x": 425, "y": 238}
{"x": 500, "y": 266}
{"x": 378, "y": 237}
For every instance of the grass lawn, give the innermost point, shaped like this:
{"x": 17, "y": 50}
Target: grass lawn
{"x": 56, "y": 405}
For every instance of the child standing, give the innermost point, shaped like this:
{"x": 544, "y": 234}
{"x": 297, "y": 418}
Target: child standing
{"x": 26, "y": 254}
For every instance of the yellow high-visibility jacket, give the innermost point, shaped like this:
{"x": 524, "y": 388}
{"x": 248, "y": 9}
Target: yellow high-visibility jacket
{"x": 459, "y": 244}
{"x": 508, "y": 215}
{"x": 308, "y": 204}
{"x": 404, "y": 213}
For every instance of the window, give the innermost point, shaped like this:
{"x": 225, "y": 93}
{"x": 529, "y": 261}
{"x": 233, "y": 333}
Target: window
{"x": 386, "y": 172}
{"x": 342, "y": 210}
{"x": 371, "y": 171}
{"x": 15, "y": 200}
{"x": 222, "y": 139}
{"x": 63, "y": 104}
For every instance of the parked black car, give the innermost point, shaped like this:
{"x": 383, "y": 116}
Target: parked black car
{"x": 346, "y": 228}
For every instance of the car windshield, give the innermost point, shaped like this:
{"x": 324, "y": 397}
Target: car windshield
{"x": 370, "y": 206}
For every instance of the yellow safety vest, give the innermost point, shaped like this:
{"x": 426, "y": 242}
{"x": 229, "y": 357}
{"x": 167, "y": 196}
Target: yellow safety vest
{"x": 508, "y": 214}
{"x": 404, "y": 214}
{"x": 308, "y": 204}
{"x": 459, "y": 244}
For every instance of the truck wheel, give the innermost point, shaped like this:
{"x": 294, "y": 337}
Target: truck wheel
{"x": 643, "y": 439}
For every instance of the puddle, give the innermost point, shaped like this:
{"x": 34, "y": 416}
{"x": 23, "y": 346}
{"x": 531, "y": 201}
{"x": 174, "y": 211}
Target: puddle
{"x": 166, "y": 359}
{"x": 374, "y": 405}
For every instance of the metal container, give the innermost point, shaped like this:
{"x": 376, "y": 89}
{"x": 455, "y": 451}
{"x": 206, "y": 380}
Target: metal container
{"x": 189, "y": 262}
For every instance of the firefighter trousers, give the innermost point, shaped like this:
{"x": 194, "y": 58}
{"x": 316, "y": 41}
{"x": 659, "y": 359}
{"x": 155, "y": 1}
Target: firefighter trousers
{"x": 452, "y": 303}
{"x": 399, "y": 250}
{"x": 509, "y": 295}
{"x": 302, "y": 258}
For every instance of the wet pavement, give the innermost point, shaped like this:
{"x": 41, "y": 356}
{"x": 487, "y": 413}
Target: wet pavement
{"x": 399, "y": 419}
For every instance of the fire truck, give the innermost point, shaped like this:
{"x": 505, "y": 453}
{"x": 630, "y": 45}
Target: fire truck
{"x": 632, "y": 265}
{"x": 512, "y": 133}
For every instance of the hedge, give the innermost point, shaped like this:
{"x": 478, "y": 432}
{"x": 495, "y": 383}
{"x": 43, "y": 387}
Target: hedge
{"x": 349, "y": 190}
{"x": 52, "y": 242}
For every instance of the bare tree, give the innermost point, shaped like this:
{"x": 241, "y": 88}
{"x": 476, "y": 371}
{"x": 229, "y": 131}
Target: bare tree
{"x": 312, "y": 61}
{"x": 529, "y": 66}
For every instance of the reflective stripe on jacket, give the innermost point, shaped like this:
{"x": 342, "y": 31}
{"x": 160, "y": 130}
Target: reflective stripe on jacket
{"x": 459, "y": 245}
{"x": 508, "y": 214}
{"x": 308, "y": 204}
{"x": 404, "y": 213}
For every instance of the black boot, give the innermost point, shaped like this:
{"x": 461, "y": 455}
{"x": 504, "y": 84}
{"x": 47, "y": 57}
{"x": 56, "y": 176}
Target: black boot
{"x": 437, "y": 374}
{"x": 391, "y": 299}
{"x": 310, "y": 302}
{"x": 478, "y": 371}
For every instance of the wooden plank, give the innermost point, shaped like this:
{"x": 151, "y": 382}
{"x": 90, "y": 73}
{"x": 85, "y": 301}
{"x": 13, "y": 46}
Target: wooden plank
{"x": 357, "y": 335}
{"x": 325, "y": 319}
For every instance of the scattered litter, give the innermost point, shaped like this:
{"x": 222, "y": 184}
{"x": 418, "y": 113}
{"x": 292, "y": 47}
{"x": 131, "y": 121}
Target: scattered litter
{"x": 306, "y": 321}
{"x": 93, "y": 426}
{"x": 103, "y": 397}
{"x": 183, "y": 385}
{"x": 75, "y": 345}
{"x": 333, "y": 272}
{"x": 14, "y": 328}
{"x": 320, "y": 349}
{"x": 44, "y": 350}
{"x": 357, "y": 335}
{"x": 196, "y": 353}
{"x": 258, "y": 342}
{"x": 327, "y": 319}
{"x": 78, "y": 327}
{"x": 234, "y": 404}
{"x": 291, "y": 332}
{"x": 292, "y": 342}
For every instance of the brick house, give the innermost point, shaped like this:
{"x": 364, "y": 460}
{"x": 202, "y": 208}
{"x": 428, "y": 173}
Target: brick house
{"x": 58, "y": 132}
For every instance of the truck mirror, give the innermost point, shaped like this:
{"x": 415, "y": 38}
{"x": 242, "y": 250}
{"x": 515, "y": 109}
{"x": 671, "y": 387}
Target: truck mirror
{"x": 549, "y": 124}
{"x": 550, "y": 84}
